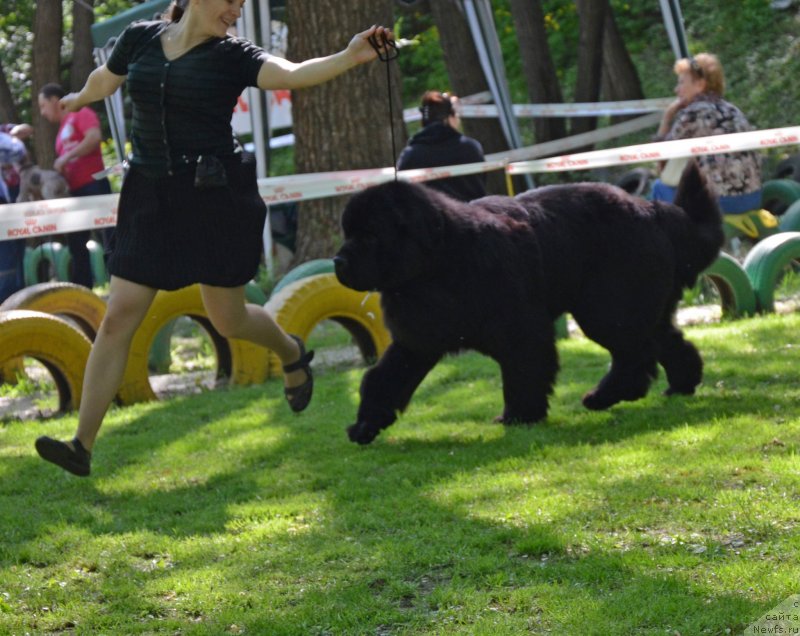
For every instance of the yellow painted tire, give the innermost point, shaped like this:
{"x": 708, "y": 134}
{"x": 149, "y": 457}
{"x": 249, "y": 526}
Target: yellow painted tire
{"x": 67, "y": 300}
{"x": 302, "y": 305}
{"x": 58, "y": 345}
{"x": 241, "y": 361}
{"x": 75, "y": 303}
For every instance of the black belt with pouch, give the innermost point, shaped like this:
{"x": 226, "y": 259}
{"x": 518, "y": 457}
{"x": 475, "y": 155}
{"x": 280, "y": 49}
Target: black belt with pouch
{"x": 209, "y": 173}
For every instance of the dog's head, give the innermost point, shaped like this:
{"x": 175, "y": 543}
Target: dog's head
{"x": 391, "y": 233}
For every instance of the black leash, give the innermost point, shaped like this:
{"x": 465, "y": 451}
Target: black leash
{"x": 387, "y": 51}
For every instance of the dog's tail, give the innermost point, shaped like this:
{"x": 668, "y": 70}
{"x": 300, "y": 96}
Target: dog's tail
{"x": 697, "y": 198}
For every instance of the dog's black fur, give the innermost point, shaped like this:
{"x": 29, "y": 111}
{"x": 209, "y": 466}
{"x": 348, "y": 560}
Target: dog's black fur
{"x": 494, "y": 274}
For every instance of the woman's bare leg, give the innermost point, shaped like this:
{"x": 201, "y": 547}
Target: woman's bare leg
{"x": 127, "y": 306}
{"x": 234, "y": 318}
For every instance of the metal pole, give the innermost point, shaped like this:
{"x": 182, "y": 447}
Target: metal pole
{"x": 481, "y": 24}
{"x": 673, "y": 21}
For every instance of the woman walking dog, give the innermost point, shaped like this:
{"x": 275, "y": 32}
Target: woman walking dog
{"x": 189, "y": 210}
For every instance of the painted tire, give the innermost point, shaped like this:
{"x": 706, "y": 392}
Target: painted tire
{"x": 97, "y": 261}
{"x": 778, "y": 194}
{"x": 54, "y": 253}
{"x": 303, "y": 304}
{"x": 765, "y": 263}
{"x": 74, "y": 303}
{"x": 310, "y": 268}
{"x": 254, "y": 294}
{"x": 733, "y": 285}
{"x": 67, "y": 300}
{"x": 54, "y": 342}
{"x": 790, "y": 220}
{"x": 789, "y": 168}
{"x": 636, "y": 181}
{"x": 243, "y": 362}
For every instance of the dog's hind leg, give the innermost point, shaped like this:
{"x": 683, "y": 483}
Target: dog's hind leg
{"x": 633, "y": 368}
{"x": 681, "y": 361}
{"x": 529, "y": 371}
{"x": 387, "y": 389}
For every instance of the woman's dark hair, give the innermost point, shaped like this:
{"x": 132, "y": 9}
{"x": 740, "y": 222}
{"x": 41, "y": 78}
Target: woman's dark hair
{"x": 48, "y": 91}
{"x": 435, "y": 106}
{"x": 175, "y": 10}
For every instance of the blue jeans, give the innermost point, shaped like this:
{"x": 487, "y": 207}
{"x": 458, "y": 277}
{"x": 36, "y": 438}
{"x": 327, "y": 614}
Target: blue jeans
{"x": 736, "y": 204}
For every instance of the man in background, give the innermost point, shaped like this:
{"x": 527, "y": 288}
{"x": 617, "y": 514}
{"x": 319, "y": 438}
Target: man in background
{"x": 78, "y": 158}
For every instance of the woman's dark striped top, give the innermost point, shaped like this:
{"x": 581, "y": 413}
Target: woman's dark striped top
{"x": 182, "y": 108}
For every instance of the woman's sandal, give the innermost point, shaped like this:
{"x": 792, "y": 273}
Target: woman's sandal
{"x": 299, "y": 396}
{"x": 78, "y": 461}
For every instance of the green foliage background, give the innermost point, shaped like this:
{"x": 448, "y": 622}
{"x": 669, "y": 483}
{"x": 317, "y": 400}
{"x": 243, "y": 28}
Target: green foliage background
{"x": 757, "y": 45}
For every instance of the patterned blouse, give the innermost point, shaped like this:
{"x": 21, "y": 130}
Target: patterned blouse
{"x": 733, "y": 173}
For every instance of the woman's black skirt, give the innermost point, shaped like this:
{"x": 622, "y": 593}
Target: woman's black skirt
{"x": 171, "y": 234}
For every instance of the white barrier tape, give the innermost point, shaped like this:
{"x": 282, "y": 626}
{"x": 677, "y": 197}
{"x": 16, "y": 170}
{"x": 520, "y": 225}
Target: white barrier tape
{"x": 57, "y": 216}
{"x": 588, "y": 109}
{"x": 715, "y": 144}
{"x": 315, "y": 186}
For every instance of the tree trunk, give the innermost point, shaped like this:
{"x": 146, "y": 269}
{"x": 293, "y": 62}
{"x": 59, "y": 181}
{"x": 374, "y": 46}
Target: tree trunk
{"x": 537, "y": 66}
{"x": 467, "y": 78}
{"x": 82, "y": 58}
{"x": 342, "y": 124}
{"x": 620, "y": 79}
{"x": 592, "y": 17}
{"x": 47, "y": 31}
{"x": 8, "y": 109}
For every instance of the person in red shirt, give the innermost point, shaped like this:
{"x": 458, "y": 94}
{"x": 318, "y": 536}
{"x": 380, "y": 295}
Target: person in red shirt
{"x": 78, "y": 158}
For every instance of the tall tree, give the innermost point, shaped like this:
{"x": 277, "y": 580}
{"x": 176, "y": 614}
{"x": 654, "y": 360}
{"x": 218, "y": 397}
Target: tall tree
{"x": 538, "y": 66}
{"x": 47, "y": 31}
{"x": 620, "y": 79}
{"x": 592, "y": 18}
{"x": 343, "y": 124}
{"x": 82, "y": 58}
{"x": 8, "y": 108}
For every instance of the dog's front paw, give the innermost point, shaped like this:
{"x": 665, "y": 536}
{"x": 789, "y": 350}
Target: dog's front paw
{"x": 362, "y": 433}
{"x": 597, "y": 401}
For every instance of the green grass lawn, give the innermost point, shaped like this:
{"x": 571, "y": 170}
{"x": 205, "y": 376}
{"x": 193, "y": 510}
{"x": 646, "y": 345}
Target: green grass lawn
{"x": 224, "y": 513}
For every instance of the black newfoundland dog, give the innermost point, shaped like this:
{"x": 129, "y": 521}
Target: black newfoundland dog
{"x": 494, "y": 274}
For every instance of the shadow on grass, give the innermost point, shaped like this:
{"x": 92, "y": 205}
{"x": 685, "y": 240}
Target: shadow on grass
{"x": 405, "y": 554}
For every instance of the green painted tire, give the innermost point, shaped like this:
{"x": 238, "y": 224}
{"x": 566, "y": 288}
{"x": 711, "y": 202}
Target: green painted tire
{"x": 790, "y": 220}
{"x": 254, "y": 294}
{"x": 56, "y": 254}
{"x": 97, "y": 262}
{"x": 733, "y": 285}
{"x": 310, "y": 268}
{"x": 778, "y": 194}
{"x": 765, "y": 263}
